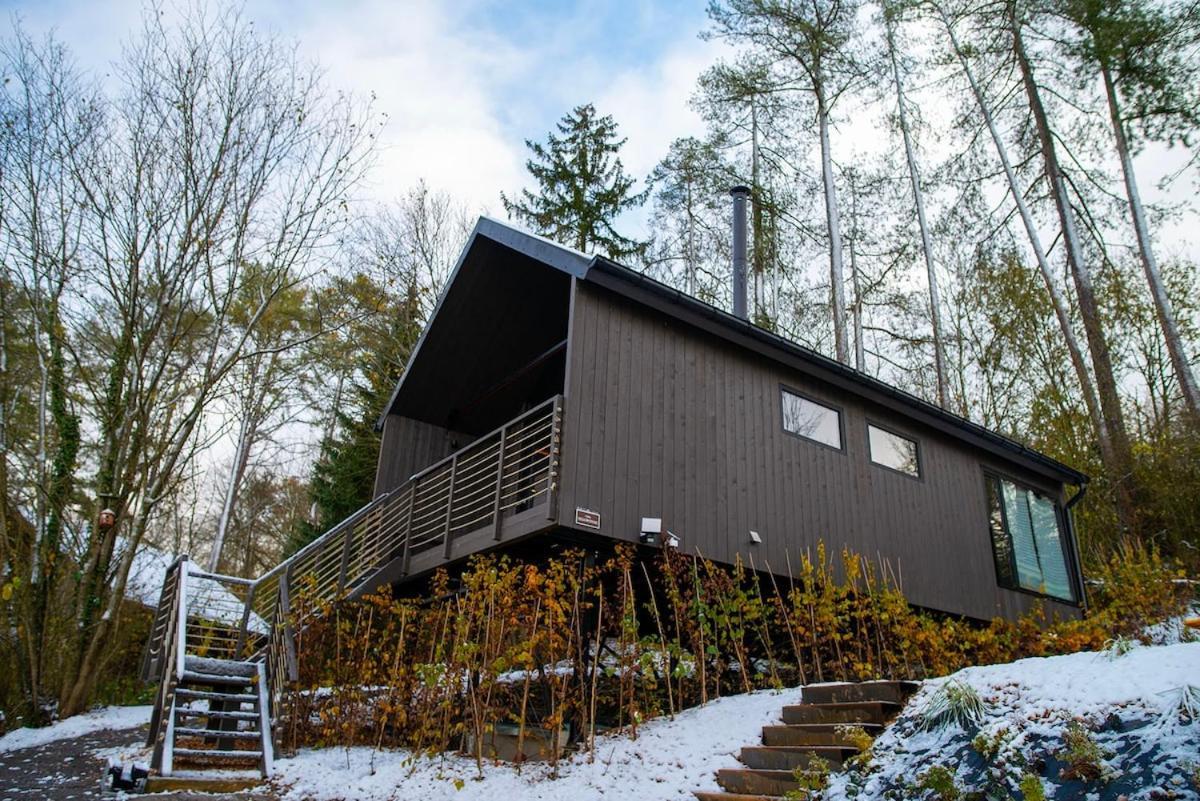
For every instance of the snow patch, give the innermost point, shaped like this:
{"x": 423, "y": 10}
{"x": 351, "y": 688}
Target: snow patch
{"x": 111, "y": 718}
{"x": 1129, "y": 702}
{"x": 669, "y": 760}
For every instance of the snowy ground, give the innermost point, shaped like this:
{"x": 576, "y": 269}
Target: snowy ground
{"x": 668, "y": 760}
{"x": 1129, "y": 702}
{"x": 108, "y": 718}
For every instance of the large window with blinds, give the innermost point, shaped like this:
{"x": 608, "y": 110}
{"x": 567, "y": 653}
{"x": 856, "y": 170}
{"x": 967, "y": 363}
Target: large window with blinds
{"x": 1028, "y": 540}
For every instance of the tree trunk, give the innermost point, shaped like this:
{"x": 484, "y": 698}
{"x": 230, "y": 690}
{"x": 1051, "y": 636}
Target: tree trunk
{"x": 247, "y": 434}
{"x": 1121, "y": 467}
{"x": 1162, "y": 302}
{"x": 836, "y": 272}
{"x": 1087, "y": 388}
{"x": 237, "y": 472}
{"x": 756, "y": 212}
{"x": 860, "y": 352}
{"x": 914, "y": 177}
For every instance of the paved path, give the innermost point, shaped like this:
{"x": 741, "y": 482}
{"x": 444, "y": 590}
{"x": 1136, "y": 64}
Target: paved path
{"x": 70, "y": 770}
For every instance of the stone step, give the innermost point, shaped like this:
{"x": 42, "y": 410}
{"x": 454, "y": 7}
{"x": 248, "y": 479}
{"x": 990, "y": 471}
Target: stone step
{"x": 218, "y": 734}
{"x": 897, "y": 692}
{"x": 847, "y": 712}
{"x": 702, "y": 795}
{"x": 749, "y": 781}
{"x": 187, "y": 694}
{"x": 813, "y": 733}
{"x": 204, "y": 784}
{"x": 224, "y": 667}
{"x": 790, "y": 757}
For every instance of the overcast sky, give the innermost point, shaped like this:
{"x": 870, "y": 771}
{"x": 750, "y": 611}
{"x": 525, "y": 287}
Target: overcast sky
{"x": 464, "y": 82}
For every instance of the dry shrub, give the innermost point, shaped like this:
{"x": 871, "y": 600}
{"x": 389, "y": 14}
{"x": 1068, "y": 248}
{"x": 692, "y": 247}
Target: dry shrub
{"x": 573, "y": 645}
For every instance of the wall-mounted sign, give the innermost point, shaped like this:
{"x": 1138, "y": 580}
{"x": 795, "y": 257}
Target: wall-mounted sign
{"x": 587, "y": 518}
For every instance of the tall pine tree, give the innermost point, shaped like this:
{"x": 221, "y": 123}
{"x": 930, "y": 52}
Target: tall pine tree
{"x": 582, "y": 186}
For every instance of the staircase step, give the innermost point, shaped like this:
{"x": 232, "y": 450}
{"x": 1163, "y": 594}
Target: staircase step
{"x": 845, "y": 712}
{"x": 218, "y": 734}
{"x": 206, "y": 713}
{"x": 192, "y": 677}
{"x": 198, "y": 754}
{"x": 223, "y": 667}
{"x": 204, "y": 784}
{"x": 790, "y": 757}
{"x": 241, "y": 698}
{"x": 897, "y": 692}
{"x": 757, "y": 782}
{"x": 813, "y": 733}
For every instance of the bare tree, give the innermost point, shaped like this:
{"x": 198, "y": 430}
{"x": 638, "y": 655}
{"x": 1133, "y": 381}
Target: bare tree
{"x": 1120, "y": 454}
{"x": 220, "y": 151}
{"x": 50, "y": 122}
{"x": 1139, "y": 50}
{"x": 890, "y": 16}
{"x": 806, "y": 47}
{"x": 1061, "y": 311}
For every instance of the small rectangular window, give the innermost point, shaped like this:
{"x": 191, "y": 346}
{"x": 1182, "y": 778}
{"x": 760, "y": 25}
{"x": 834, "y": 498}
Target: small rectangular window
{"x": 812, "y": 420}
{"x": 1027, "y": 540}
{"x": 894, "y": 451}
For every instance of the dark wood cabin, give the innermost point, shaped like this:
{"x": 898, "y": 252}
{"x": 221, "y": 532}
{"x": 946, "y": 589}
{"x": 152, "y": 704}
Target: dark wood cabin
{"x": 556, "y": 396}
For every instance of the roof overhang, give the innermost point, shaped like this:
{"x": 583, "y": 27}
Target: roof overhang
{"x": 646, "y": 291}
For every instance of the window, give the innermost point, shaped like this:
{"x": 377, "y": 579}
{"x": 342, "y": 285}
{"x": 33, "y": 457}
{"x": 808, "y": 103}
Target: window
{"x": 1027, "y": 540}
{"x": 893, "y": 451}
{"x": 812, "y": 420}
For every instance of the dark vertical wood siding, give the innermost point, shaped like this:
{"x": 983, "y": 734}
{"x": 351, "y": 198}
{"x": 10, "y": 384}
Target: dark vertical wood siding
{"x": 662, "y": 420}
{"x": 408, "y": 446}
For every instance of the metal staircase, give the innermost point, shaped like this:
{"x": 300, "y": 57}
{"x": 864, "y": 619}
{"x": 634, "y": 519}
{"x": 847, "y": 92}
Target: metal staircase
{"x": 222, "y": 648}
{"x": 210, "y": 711}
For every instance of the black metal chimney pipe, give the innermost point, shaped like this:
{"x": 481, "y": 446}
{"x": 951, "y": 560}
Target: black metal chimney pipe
{"x": 740, "y": 195}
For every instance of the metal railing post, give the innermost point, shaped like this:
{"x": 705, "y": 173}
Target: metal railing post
{"x": 412, "y": 502}
{"x": 497, "y": 513}
{"x": 244, "y": 629}
{"x": 450, "y": 505}
{"x": 285, "y": 610}
{"x": 345, "y": 566}
{"x": 181, "y": 622}
{"x": 552, "y": 468}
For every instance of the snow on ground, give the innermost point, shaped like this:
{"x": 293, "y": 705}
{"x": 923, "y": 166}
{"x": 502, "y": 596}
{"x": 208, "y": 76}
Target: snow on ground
{"x": 668, "y": 760}
{"x": 1128, "y": 701}
{"x": 111, "y": 717}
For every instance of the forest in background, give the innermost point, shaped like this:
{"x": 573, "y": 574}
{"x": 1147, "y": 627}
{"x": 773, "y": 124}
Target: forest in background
{"x": 201, "y": 318}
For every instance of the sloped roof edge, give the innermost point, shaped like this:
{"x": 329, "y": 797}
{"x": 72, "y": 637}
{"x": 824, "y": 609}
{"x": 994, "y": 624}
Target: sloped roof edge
{"x": 639, "y": 287}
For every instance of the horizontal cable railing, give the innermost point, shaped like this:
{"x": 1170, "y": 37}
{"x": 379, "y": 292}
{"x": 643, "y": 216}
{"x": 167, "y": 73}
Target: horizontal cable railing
{"x": 503, "y": 473}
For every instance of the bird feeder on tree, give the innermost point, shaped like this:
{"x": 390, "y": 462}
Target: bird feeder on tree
{"x": 108, "y": 518}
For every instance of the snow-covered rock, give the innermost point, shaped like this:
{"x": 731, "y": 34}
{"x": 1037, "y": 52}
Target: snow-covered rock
{"x": 1129, "y": 703}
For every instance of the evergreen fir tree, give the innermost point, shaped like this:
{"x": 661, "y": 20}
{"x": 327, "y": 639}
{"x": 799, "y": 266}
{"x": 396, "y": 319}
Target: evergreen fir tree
{"x": 582, "y": 186}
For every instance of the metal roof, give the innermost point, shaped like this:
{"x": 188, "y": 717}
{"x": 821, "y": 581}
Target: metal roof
{"x": 641, "y": 288}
